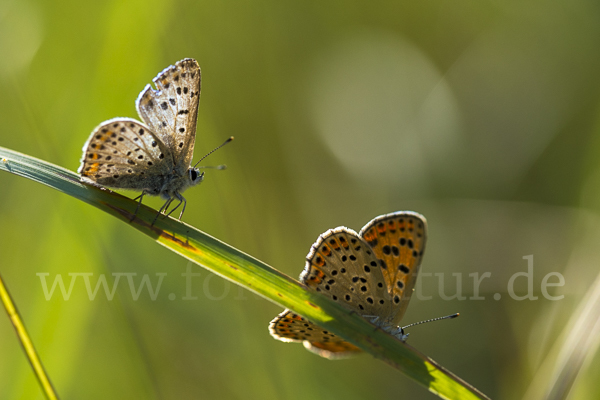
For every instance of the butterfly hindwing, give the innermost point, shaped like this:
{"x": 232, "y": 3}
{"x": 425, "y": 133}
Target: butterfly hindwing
{"x": 124, "y": 153}
{"x": 291, "y": 327}
{"x": 171, "y": 110}
{"x": 341, "y": 266}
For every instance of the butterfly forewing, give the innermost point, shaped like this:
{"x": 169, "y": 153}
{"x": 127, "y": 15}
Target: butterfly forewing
{"x": 122, "y": 150}
{"x": 171, "y": 110}
{"x": 398, "y": 239}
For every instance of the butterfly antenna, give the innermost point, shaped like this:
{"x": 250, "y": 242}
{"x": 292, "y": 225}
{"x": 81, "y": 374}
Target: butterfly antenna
{"x": 212, "y": 151}
{"x": 431, "y": 320}
{"x": 222, "y": 166}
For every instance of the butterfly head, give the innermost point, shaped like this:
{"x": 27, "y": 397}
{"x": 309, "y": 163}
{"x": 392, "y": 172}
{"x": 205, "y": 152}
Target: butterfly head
{"x": 195, "y": 176}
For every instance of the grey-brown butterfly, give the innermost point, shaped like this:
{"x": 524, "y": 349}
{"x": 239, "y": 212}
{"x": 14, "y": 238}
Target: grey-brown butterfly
{"x": 155, "y": 155}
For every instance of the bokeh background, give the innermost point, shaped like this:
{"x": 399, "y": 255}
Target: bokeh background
{"x": 481, "y": 115}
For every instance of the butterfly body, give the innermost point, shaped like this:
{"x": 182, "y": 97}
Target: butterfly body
{"x": 372, "y": 273}
{"x": 153, "y": 155}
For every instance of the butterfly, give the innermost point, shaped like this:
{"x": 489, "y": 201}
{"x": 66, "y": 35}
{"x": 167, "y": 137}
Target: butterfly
{"x": 155, "y": 155}
{"x": 372, "y": 272}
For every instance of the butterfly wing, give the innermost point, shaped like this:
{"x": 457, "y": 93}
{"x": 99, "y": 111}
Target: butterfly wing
{"x": 372, "y": 273}
{"x": 341, "y": 266}
{"x": 171, "y": 111}
{"x": 291, "y": 327}
{"x": 124, "y": 153}
{"x": 398, "y": 239}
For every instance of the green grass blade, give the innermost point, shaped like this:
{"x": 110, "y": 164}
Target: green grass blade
{"x": 250, "y": 273}
{"x": 26, "y": 343}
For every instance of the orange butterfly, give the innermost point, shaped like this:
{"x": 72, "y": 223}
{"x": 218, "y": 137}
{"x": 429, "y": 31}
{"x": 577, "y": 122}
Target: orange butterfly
{"x": 372, "y": 272}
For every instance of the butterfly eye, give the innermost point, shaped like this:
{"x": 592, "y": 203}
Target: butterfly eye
{"x": 195, "y": 175}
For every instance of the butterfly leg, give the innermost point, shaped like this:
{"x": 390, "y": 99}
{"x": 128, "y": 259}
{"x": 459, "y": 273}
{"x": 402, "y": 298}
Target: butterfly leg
{"x": 141, "y": 197}
{"x": 165, "y": 206}
{"x": 184, "y": 204}
{"x": 374, "y": 319}
{"x": 162, "y": 209}
{"x": 181, "y": 201}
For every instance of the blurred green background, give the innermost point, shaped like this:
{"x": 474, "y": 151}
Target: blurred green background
{"x": 483, "y": 116}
